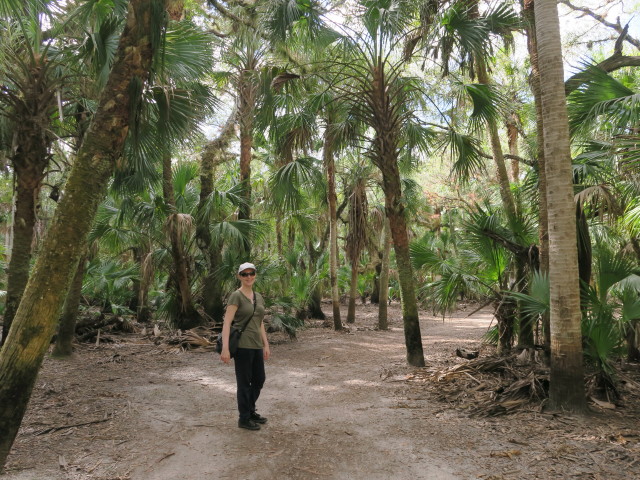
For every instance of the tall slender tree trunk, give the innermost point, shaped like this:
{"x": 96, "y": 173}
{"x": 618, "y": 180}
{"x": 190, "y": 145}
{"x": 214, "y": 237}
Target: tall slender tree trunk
{"x": 143, "y": 311}
{"x": 67, "y": 325}
{"x": 23, "y": 227}
{"x": 512, "y": 135}
{"x": 398, "y": 225}
{"x": 566, "y": 389}
{"x": 30, "y": 159}
{"x": 213, "y": 155}
{"x": 386, "y": 147}
{"x": 246, "y": 113}
{"x": 36, "y": 318}
{"x": 330, "y": 166}
{"x": 504, "y": 185}
{"x": 543, "y": 233}
{"x": 383, "y": 323}
{"x": 187, "y": 315}
{"x": 375, "y": 289}
{"x": 353, "y": 293}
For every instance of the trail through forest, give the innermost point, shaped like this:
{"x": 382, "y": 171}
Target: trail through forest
{"x": 340, "y": 406}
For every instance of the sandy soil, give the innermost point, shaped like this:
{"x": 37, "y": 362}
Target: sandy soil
{"x": 340, "y": 406}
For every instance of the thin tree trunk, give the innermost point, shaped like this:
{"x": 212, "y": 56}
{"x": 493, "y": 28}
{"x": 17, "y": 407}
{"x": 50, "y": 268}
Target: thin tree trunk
{"x": 353, "y": 293}
{"x": 314, "y": 304}
{"x": 566, "y": 389}
{"x": 329, "y": 163}
{"x": 19, "y": 264}
{"x": 246, "y": 113}
{"x": 383, "y": 323}
{"x": 36, "y": 318}
{"x": 375, "y": 290}
{"x": 187, "y": 316}
{"x": 543, "y": 233}
{"x": 143, "y": 312}
{"x": 67, "y": 325}
{"x": 213, "y": 155}
{"x": 508, "y": 202}
{"x": 386, "y": 147}
{"x": 512, "y": 135}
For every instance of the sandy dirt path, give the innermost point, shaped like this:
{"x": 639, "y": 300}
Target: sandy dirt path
{"x": 330, "y": 416}
{"x": 340, "y": 406}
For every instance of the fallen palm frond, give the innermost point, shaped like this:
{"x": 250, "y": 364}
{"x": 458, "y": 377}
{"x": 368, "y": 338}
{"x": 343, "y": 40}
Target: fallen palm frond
{"x": 203, "y": 338}
{"x": 487, "y": 386}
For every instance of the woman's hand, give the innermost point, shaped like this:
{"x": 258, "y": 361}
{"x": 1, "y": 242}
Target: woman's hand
{"x": 266, "y": 352}
{"x": 225, "y": 356}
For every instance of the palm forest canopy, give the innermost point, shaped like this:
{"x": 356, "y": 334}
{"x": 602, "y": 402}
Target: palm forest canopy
{"x": 376, "y": 150}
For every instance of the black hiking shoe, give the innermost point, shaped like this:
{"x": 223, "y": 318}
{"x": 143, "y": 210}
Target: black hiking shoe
{"x": 248, "y": 424}
{"x": 256, "y": 417}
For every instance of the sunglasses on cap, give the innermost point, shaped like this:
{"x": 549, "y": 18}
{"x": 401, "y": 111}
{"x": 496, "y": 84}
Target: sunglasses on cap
{"x": 247, "y": 274}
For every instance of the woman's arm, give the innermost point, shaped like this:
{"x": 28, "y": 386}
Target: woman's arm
{"x": 265, "y": 342}
{"x": 229, "y": 313}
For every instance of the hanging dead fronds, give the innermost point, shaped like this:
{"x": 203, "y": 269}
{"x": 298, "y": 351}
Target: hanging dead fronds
{"x": 358, "y": 212}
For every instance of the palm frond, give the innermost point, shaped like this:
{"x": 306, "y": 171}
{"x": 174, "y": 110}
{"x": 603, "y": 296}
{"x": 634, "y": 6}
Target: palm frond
{"x": 287, "y": 183}
{"x": 488, "y": 104}
{"x": 465, "y": 152}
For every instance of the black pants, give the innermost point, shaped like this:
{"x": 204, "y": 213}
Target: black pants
{"x": 250, "y": 378}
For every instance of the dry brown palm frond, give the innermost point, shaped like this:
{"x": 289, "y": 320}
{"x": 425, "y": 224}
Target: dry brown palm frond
{"x": 179, "y": 224}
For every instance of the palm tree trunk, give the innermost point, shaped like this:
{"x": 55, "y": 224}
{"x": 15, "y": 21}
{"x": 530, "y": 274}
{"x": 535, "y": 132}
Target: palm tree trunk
{"x": 19, "y": 264}
{"x": 314, "y": 304}
{"x": 213, "y": 155}
{"x": 512, "y": 134}
{"x": 329, "y": 163}
{"x": 566, "y": 389}
{"x": 36, "y": 318}
{"x": 29, "y": 163}
{"x": 386, "y": 147}
{"x": 143, "y": 312}
{"x": 246, "y": 113}
{"x": 397, "y": 223}
{"x": 543, "y": 233}
{"x": 187, "y": 316}
{"x": 353, "y": 293}
{"x": 383, "y": 323}
{"x": 67, "y": 326}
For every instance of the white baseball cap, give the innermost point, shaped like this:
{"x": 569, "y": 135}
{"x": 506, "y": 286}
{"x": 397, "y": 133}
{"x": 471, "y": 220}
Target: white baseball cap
{"x": 247, "y": 266}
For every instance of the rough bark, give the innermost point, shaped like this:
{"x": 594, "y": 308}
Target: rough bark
{"x": 187, "y": 315}
{"x": 36, "y": 318}
{"x": 375, "y": 290}
{"x": 566, "y": 389}
{"x": 246, "y": 113}
{"x": 32, "y": 140}
{"x": 329, "y": 164}
{"x": 67, "y": 325}
{"x": 385, "y": 156}
{"x": 353, "y": 293}
{"x": 383, "y": 323}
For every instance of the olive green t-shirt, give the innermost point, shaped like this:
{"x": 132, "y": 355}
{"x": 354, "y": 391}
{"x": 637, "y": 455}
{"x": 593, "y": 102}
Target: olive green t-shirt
{"x": 251, "y": 337}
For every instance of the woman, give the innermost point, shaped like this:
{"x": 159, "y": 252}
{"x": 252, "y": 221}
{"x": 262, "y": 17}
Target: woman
{"x": 244, "y": 305}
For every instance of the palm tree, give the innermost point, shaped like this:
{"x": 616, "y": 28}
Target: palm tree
{"x": 357, "y": 234}
{"x": 214, "y": 154}
{"x": 567, "y": 381}
{"x": 370, "y": 77}
{"x": 37, "y": 315}
{"x": 30, "y": 81}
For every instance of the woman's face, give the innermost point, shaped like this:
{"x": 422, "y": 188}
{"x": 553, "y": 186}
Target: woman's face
{"x": 247, "y": 277}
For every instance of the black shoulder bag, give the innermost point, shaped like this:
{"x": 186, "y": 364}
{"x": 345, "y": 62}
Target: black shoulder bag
{"x": 235, "y": 332}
